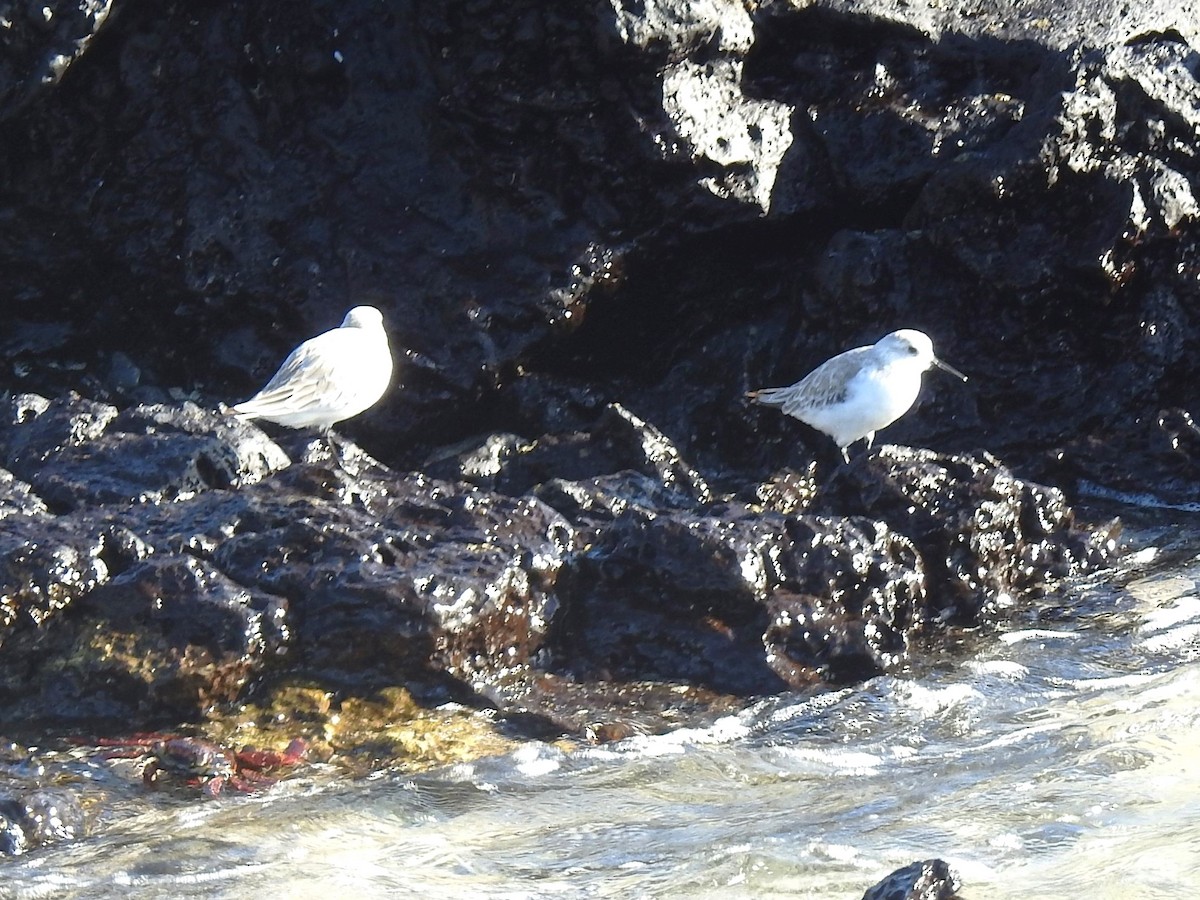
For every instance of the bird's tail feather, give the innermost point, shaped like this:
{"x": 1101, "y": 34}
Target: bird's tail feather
{"x": 769, "y": 396}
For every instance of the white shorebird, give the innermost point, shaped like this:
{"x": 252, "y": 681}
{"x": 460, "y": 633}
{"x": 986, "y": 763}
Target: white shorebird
{"x": 329, "y": 378}
{"x": 854, "y": 394}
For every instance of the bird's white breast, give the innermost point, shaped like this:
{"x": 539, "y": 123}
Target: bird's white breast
{"x": 875, "y": 397}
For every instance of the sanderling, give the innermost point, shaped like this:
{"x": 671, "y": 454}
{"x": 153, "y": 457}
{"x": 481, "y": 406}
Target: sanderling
{"x": 854, "y": 394}
{"x": 328, "y": 378}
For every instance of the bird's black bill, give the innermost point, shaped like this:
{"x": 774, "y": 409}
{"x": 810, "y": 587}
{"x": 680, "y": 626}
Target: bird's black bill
{"x": 946, "y": 367}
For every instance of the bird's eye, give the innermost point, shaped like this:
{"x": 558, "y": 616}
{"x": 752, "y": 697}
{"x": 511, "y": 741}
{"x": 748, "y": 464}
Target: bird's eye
{"x": 912, "y": 351}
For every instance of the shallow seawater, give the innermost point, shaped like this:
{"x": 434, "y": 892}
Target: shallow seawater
{"x": 1058, "y": 761}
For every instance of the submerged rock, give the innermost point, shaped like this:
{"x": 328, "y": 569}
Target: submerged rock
{"x": 44, "y": 817}
{"x": 930, "y": 879}
{"x": 33, "y": 812}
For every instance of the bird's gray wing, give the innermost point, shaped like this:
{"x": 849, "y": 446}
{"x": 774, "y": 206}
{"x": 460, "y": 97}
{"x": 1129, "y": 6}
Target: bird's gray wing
{"x": 303, "y": 365}
{"x": 829, "y": 382}
{"x": 302, "y": 380}
{"x": 825, "y": 385}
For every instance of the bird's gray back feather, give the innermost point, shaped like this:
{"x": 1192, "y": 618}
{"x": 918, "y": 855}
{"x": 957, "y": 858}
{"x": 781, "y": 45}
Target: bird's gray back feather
{"x": 826, "y": 385}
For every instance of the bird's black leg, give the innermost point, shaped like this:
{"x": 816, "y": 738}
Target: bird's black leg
{"x": 333, "y": 445}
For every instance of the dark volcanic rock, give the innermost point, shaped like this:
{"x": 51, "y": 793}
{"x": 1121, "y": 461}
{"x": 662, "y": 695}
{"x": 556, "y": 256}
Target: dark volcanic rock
{"x": 661, "y": 204}
{"x": 40, "y": 43}
{"x": 930, "y": 879}
{"x": 404, "y": 576}
{"x": 988, "y": 537}
{"x": 53, "y": 816}
{"x": 592, "y": 227}
{"x": 849, "y": 610}
{"x": 743, "y": 599}
{"x": 740, "y": 600}
{"x": 617, "y": 441}
{"x": 190, "y": 450}
{"x": 45, "y": 565}
{"x": 665, "y": 597}
{"x": 170, "y": 636}
{"x": 17, "y": 498}
{"x": 38, "y": 819}
{"x": 190, "y": 561}
{"x": 35, "y": 811}
{"x": 163, "y": 601}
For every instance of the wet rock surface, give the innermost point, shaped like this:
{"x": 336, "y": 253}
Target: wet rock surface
{"x": 39, "y": 819}
{"x": 743, "y": 599}
{"x": 591, "y": 228}
{"x": 168, "y": 597}
{"x": 35, "y": 810}
{"x": 930, "y": 879}
{"x": 160, "y": 593}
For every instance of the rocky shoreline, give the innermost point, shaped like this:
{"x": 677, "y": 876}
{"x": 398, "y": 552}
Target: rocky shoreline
{"x": 168, "y": 565}
{"x": 591, "y": 228}
{"x": 161, "y": 561}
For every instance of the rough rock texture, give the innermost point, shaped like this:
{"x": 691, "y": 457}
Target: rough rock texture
{"x": 42, "y": 799}
{"x": 39, "y": 818}
{"x": 749, "y": 598}
{"x": 167, "y": 581}
{"x": 592, "y": 227}
{"x": 160, "y": 593}
{"x": 987, "y": 536}
{"x": 929, "y": 879}
{"x": 657, "y": 204}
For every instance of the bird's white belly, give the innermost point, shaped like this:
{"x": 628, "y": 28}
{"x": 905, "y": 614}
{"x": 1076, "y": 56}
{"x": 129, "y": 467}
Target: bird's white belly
{"x": 873, "y": 401}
